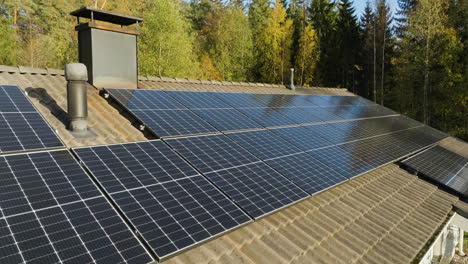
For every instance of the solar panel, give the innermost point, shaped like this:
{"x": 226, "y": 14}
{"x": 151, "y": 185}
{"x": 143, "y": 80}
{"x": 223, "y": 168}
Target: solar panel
{"x": 53, "y": 213}
{"x": 21, "y": 126}
{"x": 165, "y": 199}
{"x": 264, "y": 144}
{"x": 211, "y": 153}
{"x": 227, "y": 119}
{"x": 298, "y": 115}
{"x": 307, "y": 172}
{"x": 443, "y": 166}
{"x": 369, "y": 153}
{"x": 301, "y": 137}
{"x": 13, "y": 100}
{"x": 241, "y": 100}
{"x": 267, "y": 117}
{"x": 198, "y": 99}
{"x": 169, "y": 123}
{"x": 324, "y": 113}
{"x": 140, "y": 99}
{"x": 257, "y": 188}
{"x": 341, "y": 161}
{"x": 331, "y": 133}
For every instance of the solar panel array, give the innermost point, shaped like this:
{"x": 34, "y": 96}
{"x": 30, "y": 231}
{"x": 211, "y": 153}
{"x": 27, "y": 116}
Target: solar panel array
{"x": 224, "y": 160}
{"x": 443, "y": 166}
{"x": 182, "y": 113}
{"x": 21, "y": 126}
{"x": 170, "y": 204}
{"x": 51, "y": 212}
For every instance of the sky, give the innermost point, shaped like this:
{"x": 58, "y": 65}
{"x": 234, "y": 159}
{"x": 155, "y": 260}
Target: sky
{"x": 361, "y": 4}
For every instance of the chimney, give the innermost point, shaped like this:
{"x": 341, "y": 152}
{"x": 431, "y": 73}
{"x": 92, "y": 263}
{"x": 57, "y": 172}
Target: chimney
{"x": 77, "y": 104}
{"x": 291, "y": 86}
{"x": 108, "y": 50}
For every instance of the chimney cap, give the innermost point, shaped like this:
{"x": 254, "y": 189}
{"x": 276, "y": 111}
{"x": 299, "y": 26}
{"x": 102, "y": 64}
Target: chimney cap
{"x": 76, "y": 72}
{"x": 106, "y": 16}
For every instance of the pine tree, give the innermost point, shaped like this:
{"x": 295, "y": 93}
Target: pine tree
{"x": 348, "y": 42}
{"x": 259, "y": 12}
{"x": 323, "y": 17}
{"x": 366, "y": 52}
{"x": 384, "y": 45}
{"x": 405, "y": 7}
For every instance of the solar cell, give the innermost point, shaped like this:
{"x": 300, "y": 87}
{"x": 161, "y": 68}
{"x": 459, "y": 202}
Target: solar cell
{"x": 307, "y": 172}
{"x": 53, "y": 213}
{"x": 140, "y": 99}
{"x": 168, "y": 202}
{"x": 256, "y": 188}
{"x": 198, "y": 99}
{"x": 341, "y": 161}
{"x": 227, "y": 119}
{"x": 264, "y": 144}
{"x": 211, "y": 153}
{"x": 168, "y": 123}
{"x": 21, "y": 126}
{"x": 268, "y": 117}
{"x": 369, "y": 153}
{"x": 301, "y": 137}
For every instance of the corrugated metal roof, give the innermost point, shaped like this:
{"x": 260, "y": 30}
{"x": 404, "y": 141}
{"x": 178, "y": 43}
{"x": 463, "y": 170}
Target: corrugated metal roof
{"x": 385, "y": 216}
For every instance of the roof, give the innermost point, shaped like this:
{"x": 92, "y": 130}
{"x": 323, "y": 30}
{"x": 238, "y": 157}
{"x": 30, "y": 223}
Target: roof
{"x": 98, "y": 14}
{"x": 384, "y": 216}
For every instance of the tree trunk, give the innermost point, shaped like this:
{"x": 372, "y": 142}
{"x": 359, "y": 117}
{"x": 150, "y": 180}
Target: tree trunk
{"x": 375, "y": 58}
{"x": 426, "y": 84}
{"x": 383, "y": 70}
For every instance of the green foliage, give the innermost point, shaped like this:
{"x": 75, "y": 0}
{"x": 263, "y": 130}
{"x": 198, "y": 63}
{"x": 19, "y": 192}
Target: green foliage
{"x": 307, "y": 56}
{"x": 7, "y": 42}
{"x": 166, "y": 47}
{"x": 275, "y": 46}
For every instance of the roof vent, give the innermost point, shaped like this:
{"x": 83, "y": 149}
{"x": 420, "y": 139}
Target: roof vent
{"x": 292, "y": 87}
{"x": 108, "y": 51}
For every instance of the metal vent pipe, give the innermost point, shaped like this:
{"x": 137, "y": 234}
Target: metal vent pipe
{"x": 76, "y": 75}
{"x": 292, "y": 87}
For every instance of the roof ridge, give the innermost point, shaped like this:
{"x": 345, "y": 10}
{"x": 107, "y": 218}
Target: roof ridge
{"x": 30, "y": 70}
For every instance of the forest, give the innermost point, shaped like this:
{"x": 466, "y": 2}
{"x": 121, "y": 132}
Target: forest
{"x": 413, "y": 61}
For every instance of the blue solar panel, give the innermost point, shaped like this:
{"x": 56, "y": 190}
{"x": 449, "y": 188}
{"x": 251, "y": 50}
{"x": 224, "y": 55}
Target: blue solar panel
{"x": 165, "y": 199}
{"x": 302, "y": 138}
{"x": 198, "y": 99}
{"x": 264, "y": 144}
{"x": 210, "y": 153}
{"x": 331, "y": 133}
{"x": 341, "y": 161}
{"x": 53, "y": 213}
{"x": 298, "y": 115}
{"x": 239, "y": 100}
{"x": 268, "y": 117}
{"x": 305, "y": 171}
{"x": 324, "y": 113}
{"x": 169, "y": 123}
{"x": 141, "y": 99}
{"x": 227, "y": 119}
{"x": 257, "y": 188}
{"x": 21, "y": 126}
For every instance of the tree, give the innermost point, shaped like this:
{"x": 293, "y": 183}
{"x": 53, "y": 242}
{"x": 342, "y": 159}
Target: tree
{"x": 426, "y": 23}
{"x": 166, "y": 47}
{"x": 366, "y": 52}
{"x": 323, "y": 17}
{"x": 307, "y": 55}
{"x": 275, "y": 48}
{"x": 348, "y": 42}
{"x": 383, "y": 43}
{"x": 7, "y": 41}
{"x": 232, "y": 45}
{"x": 259, "y": 11}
